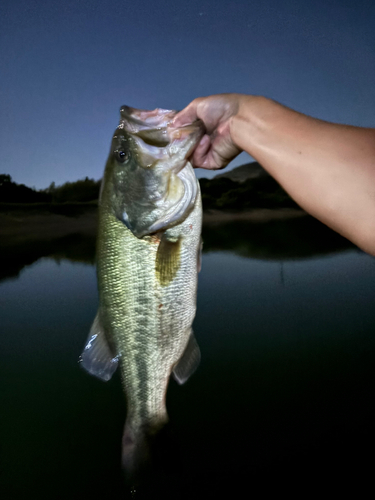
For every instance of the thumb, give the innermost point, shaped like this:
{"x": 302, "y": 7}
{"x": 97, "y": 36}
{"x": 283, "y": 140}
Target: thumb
{"x": 187, "y": 115}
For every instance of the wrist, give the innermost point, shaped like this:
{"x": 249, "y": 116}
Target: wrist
{"x": 249, "y": 123}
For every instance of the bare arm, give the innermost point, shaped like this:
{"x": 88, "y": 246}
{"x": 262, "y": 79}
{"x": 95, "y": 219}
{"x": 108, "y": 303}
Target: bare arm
{"x": 328, "y": 169}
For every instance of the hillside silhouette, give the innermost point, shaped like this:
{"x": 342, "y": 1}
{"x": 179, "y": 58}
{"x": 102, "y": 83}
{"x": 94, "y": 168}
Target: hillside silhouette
{"x": 243, "y": 188}
{"x": 250, "y": 170}
{"x": 84, "y": 190}
{"x": 246, "y": 187}
{"x": 11, "y": 192}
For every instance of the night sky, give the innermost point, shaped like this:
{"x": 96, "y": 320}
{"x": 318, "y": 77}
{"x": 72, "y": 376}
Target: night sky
{"x": 66, "y": 67}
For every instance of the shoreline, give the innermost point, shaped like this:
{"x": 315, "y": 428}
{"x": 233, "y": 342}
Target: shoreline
{"x": 17, "y": 225}
{"x": 39, "y": 226}
{"x": 276, "y": 234}
{"x": 256, "y": 215}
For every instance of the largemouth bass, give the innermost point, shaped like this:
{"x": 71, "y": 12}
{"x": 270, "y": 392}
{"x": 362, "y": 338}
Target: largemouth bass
{"x": 148, "y": 258}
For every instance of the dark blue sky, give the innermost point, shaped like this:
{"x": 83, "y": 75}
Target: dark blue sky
{"x": 67, "y": 66}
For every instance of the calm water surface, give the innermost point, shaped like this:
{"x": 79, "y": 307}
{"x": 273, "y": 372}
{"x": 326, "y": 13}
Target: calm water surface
{"x": 285, "y": 384}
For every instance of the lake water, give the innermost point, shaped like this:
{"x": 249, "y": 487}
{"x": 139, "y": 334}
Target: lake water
{"x": 285, "y": 384}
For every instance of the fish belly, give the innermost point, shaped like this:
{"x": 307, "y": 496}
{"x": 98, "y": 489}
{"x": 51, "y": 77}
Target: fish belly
{"x": 146, "y": 312}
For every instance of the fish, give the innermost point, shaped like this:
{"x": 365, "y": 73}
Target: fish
{"x": 148, "y": 258}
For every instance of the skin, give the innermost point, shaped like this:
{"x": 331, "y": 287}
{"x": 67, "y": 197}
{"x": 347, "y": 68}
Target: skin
{"x": 327, "y": 168}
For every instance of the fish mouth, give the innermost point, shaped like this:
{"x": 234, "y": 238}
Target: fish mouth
{"x": 140, "y": 119}
{"x": 188, "y": 135}
{"x": 155, "y": 134}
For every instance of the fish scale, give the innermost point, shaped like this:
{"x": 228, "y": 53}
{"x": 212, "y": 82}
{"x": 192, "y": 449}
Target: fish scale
{"x": 147, "y": 268}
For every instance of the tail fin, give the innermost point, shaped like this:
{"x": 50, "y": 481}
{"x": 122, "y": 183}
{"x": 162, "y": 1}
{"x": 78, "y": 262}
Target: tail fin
{"x": 136, "y": 452}
{"x": 147, "y": 451}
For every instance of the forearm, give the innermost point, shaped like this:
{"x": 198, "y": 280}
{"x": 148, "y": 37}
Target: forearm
{"x": 328, "y": 169}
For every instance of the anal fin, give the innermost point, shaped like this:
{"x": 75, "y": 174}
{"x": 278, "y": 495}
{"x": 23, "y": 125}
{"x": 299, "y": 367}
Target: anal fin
{"x": 97, "y": 357}
{"x": 188, "y": 362}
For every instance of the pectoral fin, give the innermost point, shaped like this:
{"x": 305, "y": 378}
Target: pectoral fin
{"x": 168, "y": 260}
{"x": 97, "y": 357}
{"x": 188, "y": 362}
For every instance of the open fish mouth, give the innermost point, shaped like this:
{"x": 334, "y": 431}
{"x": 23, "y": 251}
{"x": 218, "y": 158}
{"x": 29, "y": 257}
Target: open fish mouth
{"x": 143, "y": 119}
{"x": 156, "y": 134}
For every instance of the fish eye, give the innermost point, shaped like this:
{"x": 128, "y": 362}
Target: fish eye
{"x": 122, "y": 156}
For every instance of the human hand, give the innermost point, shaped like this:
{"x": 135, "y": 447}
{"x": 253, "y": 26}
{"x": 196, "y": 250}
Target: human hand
{"x": 216, "y": 148}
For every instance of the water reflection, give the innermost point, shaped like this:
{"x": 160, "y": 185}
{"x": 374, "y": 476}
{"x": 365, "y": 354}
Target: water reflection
{"x": 284, "y": 385}
{"x": 295, "y": 238}
{"x": 14, "y": 256}
{"x": 302, "y": 237}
